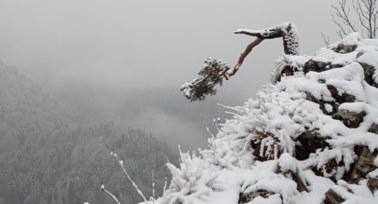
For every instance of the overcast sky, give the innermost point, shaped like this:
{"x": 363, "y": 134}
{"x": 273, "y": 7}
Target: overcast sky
{"x": 125, "y": 60}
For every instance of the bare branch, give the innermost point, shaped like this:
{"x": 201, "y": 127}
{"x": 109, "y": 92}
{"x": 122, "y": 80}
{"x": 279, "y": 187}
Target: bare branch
{"x": 247, "y": 50}
{"x": 375, "y": 24}
{"x": 287, "y": 31}
{"x": 341, "y": 32}
{"x": 366, "y": 12}
{"x": 363, "y": 16}
{"x": 110, "y": 194}
{"x": 153, "y": 185}
{"x": 342, "y": 13}
{"x": 325, "y": 38}
{"x": 120, "y": 162}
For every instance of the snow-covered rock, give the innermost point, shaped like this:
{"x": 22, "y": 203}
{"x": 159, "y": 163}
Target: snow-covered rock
{"x": 310, "y": 137}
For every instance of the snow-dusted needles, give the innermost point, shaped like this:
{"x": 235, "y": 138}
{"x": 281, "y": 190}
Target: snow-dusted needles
{"x": 210, "y": 75}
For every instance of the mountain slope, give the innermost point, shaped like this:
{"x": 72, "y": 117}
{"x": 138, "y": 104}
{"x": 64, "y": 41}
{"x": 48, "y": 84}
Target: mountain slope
{"x": 48, "y": 156}
{"x": 311, "y": 135}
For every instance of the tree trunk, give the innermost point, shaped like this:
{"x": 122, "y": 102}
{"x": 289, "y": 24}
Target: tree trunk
{"x": 288, "y": 32}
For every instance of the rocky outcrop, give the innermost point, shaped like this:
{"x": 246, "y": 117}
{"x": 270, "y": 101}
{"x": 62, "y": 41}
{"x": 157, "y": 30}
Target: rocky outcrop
{"x": 314, "y": 131}
{"x": 331, "y": 197}
{"x": 308, "y": 142}
{"x": 312, "y": 142}
{"x": 340, "y": 98}
{"x": 369, "y": 71}
{"x": 373, "y": 128}
{"x": 362, "y": 165}
{"x": 316, "y": 66}
{"x": 261, "y": 152}
{"x": 373, "y": 184}
{"x": 349, "y": 118}
{"x": 248, "y": 197}
{"x": 344, "y": 48}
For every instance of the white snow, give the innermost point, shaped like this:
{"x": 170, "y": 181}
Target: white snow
{"x": 275, "y": 117}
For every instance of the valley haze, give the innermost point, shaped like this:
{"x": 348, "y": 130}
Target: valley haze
{"x": 125, "y": 60}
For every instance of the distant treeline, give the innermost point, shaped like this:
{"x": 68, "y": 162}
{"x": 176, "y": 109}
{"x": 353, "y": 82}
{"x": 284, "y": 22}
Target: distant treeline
{"x": 47, "y": 156}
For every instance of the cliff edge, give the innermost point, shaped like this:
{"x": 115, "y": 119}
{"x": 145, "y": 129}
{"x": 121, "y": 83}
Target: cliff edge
{"x": 311, "y": 136}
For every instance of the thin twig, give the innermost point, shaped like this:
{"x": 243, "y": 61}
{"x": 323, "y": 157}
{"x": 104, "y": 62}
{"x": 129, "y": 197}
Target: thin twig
{"x": 110, "y": 194}
{"x": 120, "y": 162}
{"x": 153, "y": 185}
{"x": 366, "y": 12}
{"x": 325, "y": 38}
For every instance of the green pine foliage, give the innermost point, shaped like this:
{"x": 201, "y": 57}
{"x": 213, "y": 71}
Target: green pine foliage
{"x": 204, "y": 84}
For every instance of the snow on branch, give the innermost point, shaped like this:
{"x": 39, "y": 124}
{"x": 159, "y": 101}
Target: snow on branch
{"x": 129, "y": 178}
{"x": 110, "y": 194}
{"x": 211, "y": 74}
{"x": 213, "y": 71}
{"x": 288, "y": 32}
{"x": 120, "y": 162}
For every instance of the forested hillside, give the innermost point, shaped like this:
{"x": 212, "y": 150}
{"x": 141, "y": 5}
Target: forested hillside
{"x": 48, "y": 156}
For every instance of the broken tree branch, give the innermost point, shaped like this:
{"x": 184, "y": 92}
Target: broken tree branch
{"x": 287, "y": 31}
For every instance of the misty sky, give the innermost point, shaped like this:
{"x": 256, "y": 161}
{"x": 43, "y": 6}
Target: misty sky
{"x": 125, "y": 60}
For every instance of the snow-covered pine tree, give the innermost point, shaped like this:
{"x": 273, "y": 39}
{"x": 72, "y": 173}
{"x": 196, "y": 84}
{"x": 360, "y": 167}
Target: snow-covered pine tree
{"x": 211, "y": 74}
{"x": 214, "y": 71}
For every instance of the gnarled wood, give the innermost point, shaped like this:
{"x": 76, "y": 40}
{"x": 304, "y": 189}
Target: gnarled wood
{"x": 287, "y": 31}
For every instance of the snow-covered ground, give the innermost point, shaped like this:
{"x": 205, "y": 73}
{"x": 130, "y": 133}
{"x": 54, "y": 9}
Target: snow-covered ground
{"x": 254, "y": 158}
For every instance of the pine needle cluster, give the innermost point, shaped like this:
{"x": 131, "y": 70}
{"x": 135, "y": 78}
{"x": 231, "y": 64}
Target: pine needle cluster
{"x": 210, "y": 75}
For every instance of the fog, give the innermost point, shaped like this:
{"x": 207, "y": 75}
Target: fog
{"x": 125, "y": 60}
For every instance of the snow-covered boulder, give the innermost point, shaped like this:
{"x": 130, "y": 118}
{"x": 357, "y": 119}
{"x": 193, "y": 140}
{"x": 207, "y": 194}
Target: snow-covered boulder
{"x": 309, "y": 137}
